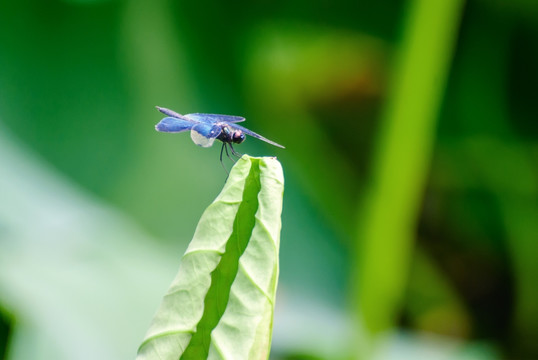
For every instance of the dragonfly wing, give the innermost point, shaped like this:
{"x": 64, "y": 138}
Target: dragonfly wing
{"x": 169, "y": 112}
{"x": 173, "y": 125}
{"x": 214, "y": 118}
{"x": 253, "y": 134}
{"x": 204, "y": 135}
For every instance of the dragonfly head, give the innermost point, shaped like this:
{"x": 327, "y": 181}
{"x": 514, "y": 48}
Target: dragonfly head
{"x": 238, "y": 137}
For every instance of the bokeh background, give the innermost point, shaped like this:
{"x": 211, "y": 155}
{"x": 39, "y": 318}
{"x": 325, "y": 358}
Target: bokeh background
{"x": 410, "y": 222}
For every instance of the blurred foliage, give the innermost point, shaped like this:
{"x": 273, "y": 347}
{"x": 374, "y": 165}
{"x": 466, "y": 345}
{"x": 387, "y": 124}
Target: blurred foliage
{"x": 78, "y": 84}
{"x": 404, "y": 148}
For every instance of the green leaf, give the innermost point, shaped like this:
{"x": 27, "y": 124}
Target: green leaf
{"x": 220, "y": 305}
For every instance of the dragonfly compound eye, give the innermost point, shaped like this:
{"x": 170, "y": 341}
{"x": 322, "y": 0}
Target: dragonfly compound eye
{"x": 238, "y": 137}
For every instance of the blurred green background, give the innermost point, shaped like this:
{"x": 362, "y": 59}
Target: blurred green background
{"x": 410, "y": 223}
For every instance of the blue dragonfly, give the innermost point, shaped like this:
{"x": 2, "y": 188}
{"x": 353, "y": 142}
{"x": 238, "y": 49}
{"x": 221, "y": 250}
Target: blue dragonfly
{"x": 205, "y": 128}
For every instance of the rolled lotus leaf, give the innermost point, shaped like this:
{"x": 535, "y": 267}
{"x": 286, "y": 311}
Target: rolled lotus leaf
{"x": 220, "y": 305}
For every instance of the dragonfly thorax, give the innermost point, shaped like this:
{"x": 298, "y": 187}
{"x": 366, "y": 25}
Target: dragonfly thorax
{"x": 228, "y": 135}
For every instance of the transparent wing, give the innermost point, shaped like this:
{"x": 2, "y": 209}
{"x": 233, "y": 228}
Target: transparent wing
{"x": 205, "y": 134}
{"x": 253, "y": 134}
{"x": 174, "y": 125}
{"x": 214, "y": 118}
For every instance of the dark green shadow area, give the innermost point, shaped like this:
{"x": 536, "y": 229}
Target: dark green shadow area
{"x": 6, "y": 323}
{"x": 224, "y": 274}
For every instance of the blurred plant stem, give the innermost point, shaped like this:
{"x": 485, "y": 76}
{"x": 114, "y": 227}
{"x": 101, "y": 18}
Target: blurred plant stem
{"x": 154, "y": 59}
{"x": 389, "y": 215}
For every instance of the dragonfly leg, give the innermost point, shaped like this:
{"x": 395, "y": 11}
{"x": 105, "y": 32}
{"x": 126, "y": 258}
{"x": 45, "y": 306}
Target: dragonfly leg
{"x": 229, "y": 157}
{"x": 235, "y": 153}
{"x": 221, "y": 149}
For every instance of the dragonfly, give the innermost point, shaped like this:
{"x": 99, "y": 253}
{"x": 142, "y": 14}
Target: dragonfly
{"x": 206, "y": 128}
